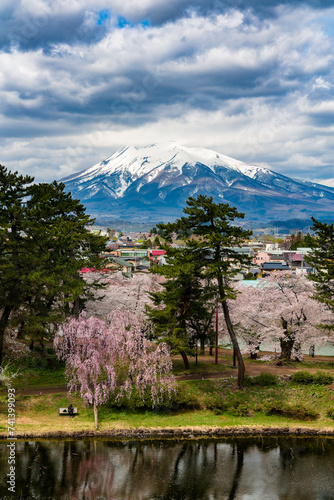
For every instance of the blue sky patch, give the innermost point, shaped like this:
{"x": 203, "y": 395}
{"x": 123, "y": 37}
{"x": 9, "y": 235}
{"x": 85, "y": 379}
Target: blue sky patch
{"x": 123, "y": 23}
{"x": 104, "y": 15}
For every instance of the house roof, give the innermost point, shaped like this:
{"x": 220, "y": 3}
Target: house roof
{"x": 277, "y": 257}
{"x": 270, "y": 266}
{"x": 122, "y": 262}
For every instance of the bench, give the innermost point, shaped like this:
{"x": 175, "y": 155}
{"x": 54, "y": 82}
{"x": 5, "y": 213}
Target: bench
{"x": 64, "y": 411}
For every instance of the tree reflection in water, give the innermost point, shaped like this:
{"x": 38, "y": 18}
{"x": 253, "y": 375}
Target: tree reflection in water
{"x": 176, "y": 469}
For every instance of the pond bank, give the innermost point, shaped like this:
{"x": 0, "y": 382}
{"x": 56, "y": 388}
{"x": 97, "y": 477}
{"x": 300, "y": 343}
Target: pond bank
{"x": 187, "y": 433}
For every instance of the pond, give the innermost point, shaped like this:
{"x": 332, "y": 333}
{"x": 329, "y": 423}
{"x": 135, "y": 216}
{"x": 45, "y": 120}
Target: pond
{"x": 203, "y": 469}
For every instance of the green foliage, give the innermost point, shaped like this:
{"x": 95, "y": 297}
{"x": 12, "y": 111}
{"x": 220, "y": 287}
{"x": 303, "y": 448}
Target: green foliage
{"x": 201, "y": 272}
{"x": 323, "y": 378}
{"x": 156, "y": 241}
{"x": 302, "y": 377}
{"x": 216, "y": 402}
{"x": 183, "y": 309}
{"x": 264, "y": 379}
{"x": 250, "y": 276}
{"x": 330, "y": 413}
{"x": 145, "y": 243}
{"x": 322, "y": 260}
{"x": 300, "y": 240}
{"x": 241, "y": 410}
{"x": 238, "y": 404}
{"x": 297, "y": 411}
{"x": 306, "y": 377}
{"x": 182, "y": 399}
{"x": 44, "y": 242}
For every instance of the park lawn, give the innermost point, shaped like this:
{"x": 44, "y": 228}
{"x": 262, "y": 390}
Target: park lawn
{"x": 39, "y": 414}
{"x": 38, "y": 377}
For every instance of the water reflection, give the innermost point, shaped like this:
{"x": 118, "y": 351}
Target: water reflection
{"x": 261, "y": 469}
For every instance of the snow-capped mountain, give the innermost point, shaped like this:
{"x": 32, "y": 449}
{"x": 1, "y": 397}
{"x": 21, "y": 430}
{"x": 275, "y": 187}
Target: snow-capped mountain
{"x": 153, "y": 183}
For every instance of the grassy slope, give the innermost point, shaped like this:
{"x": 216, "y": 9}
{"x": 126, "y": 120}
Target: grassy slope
{"x": 40, "y": 413}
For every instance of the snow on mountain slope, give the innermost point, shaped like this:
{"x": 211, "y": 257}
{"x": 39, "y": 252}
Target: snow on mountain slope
{"x": 159, "y": 178}
{"x": 151, "y": 159}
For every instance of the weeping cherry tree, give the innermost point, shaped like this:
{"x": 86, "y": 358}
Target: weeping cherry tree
{"x": 102, "y": 355}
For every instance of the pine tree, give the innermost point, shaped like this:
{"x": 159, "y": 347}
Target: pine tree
{"x": 44, "y": 242}
{"x": 322, "y": 260}
{"x": 210, "y": 237}
{"x": 184, "y": 307}
{"x": 14, "y": 247}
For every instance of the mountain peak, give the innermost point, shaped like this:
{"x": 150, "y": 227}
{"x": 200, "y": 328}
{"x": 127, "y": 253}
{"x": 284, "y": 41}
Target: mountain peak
{"x": 159, "y": 178}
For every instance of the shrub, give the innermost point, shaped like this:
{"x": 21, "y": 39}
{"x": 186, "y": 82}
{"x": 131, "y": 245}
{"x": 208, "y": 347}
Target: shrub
{"x": 330, "y": 413}
{"x": 238, "y": 405}
{"x": 216, "y": 403}
{"x": 323, "y": 378}
{"x": 37, "y": 362}
{"x": 305, "y": 377}
{"x": 302, "y": 377}
{"x": 185, "y": 399}
{"x": 264, "y": 379}
{"x": 241, "y": 410}
{"x": 298, "y": 412}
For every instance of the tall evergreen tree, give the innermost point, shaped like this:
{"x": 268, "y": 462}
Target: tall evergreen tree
{"x": 44, "y": 242}
{"x": 211, "y": 236}
{"x": 14, "y": 248}
{"x": 184, "y": 307}
{"x": 322, "y": 260}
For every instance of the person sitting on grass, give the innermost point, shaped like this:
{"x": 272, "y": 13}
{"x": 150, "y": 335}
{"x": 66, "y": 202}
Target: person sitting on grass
{"x": 70, "y": 411}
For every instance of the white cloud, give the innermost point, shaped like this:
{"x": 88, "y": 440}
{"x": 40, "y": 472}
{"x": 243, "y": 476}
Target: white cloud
{"x": 256, "y": 89}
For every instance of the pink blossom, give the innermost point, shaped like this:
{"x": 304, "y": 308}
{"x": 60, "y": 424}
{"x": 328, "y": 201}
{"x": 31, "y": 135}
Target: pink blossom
{"x": 101, "y": 355}
{"x": 280, "y": 309}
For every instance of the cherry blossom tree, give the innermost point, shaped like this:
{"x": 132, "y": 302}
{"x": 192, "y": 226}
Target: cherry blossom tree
{"x": 122, "y": 293}
{"x": 280, "y": 309}
{"x": 101, "y": 355}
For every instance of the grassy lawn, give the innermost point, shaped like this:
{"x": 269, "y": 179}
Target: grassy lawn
{"x": 205, "y": 364}
{"x": 40, "y": 377}
{"x": 214, "y": 402}
{"x": 40, "y": 413}
{"x": 35, "y": 377}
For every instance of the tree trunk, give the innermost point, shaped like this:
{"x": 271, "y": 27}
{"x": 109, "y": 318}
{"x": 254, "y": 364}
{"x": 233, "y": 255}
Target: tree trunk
{"x": 31, "y": 345}
{"x": 20, "y": 331}
{"x": 3, "y": 325}
{"x": 185, "y": 360}
{"x": 95, "y": 415}
{"x": 202, "y": 346}
{"x": 44, "y": 353}
{"x": 286, "y": 348}
{"x": 254, "y": 350}
{"x": 76, "y": 308}
{"x": 211, "y": 351}
{"x": 236, "y": 348}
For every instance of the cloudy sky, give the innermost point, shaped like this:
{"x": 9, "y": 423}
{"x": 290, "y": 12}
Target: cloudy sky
{"x": 252, "y": 79}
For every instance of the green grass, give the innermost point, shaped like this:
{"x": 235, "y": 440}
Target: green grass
{"x": 203, "y": 366}
{"x": 40, "y": 413}
{"x": 201, "y": 403}
{"x": 34, "y": 377}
